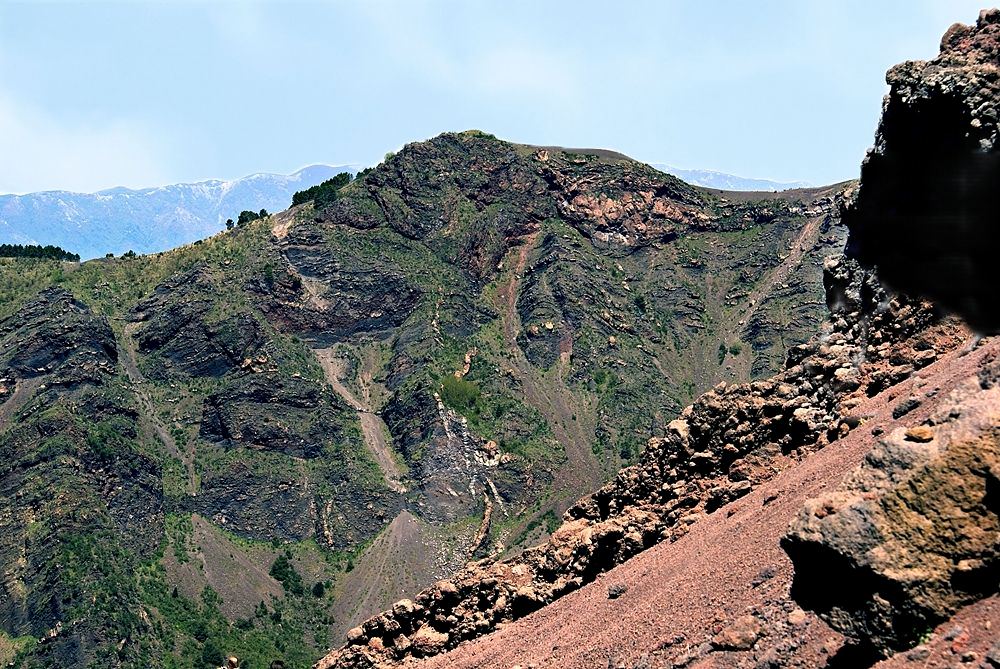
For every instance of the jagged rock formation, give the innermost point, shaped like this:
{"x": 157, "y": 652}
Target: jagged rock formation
{"x": 719, "y": 595}
{"x": 912, "y": 535}
{"x": 936, "y": 166}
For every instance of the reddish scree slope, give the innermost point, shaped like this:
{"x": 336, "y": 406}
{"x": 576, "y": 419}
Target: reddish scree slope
{"x": 681, "y": 595}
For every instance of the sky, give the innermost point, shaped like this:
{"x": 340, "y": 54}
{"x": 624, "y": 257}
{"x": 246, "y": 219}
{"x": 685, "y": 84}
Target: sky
{"x": 95, "y": 95}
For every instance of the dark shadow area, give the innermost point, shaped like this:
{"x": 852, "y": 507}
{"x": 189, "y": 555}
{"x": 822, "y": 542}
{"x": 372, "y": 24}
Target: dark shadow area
{"x": 928, "y": 211}
{"x": 852, "y": 656}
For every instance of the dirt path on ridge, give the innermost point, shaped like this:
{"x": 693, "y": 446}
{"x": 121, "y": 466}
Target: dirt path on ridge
{"x": 556, "y": 402}
{"x": 805, "y": 241}
{"x": 150, "y": 421}
{"x": 373, "y": 428}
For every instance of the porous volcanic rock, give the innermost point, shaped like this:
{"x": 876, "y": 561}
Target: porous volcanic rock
{"x": 914, "y": 533}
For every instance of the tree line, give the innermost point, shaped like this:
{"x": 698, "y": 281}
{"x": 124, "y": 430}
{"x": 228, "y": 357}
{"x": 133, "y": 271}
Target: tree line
{"x": 48, "y": 252}
{"x": 246, "y": 217}
{"x": 323, "y": 193}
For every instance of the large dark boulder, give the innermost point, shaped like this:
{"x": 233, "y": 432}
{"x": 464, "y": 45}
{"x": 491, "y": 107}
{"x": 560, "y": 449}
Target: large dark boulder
{"x": 927, "y": 213}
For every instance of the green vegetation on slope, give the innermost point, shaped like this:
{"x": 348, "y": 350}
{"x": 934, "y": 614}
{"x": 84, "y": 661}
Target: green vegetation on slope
{"x": 195, "y": 437}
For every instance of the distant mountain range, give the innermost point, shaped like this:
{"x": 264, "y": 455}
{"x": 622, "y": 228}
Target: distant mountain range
{"x": 722, "y": 181}
{"x": 147, "y": 220}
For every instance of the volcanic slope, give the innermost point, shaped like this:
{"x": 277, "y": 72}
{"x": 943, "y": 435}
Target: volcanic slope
{"x": 433, "y": 365}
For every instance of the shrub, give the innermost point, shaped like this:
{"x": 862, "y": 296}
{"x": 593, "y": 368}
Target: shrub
{"x": 458, "y": 393}
{"x": 249, "y": 217}
{"x": 722, "y": 353}
{"x": 284, "y": 572}
{"x": 211, "y": 654}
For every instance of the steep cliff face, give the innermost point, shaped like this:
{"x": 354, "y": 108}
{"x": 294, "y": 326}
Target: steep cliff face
{"x": 925, "y": 213}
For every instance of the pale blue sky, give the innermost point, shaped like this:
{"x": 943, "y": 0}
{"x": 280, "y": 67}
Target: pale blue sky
{"x": 139, "y": 93}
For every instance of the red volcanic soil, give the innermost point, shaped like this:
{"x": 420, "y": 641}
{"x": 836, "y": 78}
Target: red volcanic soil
{"x": 719, "y": 596}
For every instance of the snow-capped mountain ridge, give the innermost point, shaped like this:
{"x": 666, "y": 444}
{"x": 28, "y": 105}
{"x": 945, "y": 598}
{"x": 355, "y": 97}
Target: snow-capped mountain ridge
{"x": 723, "y": 181}
{"x": 147, "y": 220}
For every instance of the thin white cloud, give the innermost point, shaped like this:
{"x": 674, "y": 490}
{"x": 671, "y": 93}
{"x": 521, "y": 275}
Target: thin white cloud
{"x": 43, "y": 153}
{"x": 522, "y": 70}
{"x": 418, "y": 39}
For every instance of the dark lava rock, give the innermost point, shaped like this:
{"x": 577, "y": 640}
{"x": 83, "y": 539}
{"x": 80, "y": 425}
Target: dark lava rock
{"x": 178, "y": 326}
{"x": 926, "y": 212}
{"x": 905, "y": 407}
{"x": 327, "y": 297}
{"x": 81, "y": 496}
{"x": 57, "y": 336}
{"x": 262, "y": 411}
{"x": 616, "y": 590}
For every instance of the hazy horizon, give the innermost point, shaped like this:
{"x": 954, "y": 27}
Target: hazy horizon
{"x": 146, "y": 94}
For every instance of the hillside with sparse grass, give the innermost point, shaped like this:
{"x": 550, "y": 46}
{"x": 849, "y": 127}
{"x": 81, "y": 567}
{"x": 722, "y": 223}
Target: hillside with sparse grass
{"x": 249, "y": 444}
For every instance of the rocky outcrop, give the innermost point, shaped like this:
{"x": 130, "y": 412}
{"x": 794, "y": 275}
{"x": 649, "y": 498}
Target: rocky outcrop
{"x": 328, "y": 297}
{"x": 178, "y": 325}
{"x": 624, "y": 205}
{"x": 58, "y": 337}
{"x": 469, "y": 185}
{"x": 263, "y": 411}
{"x": 935, "y": 167}
{"x": 912, "y": 535}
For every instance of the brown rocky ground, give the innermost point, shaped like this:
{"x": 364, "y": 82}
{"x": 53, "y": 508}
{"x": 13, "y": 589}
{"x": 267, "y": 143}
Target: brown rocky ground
{"x": 719, "y": 596}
